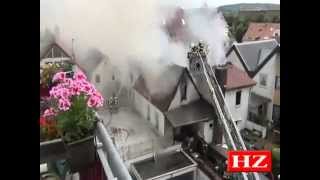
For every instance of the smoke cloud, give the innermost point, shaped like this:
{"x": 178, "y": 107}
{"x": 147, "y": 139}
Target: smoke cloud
{"x": 129, "y": 31}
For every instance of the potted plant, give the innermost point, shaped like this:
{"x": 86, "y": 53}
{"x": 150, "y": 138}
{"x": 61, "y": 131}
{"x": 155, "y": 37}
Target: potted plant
{"x": 74, "y": 103}
{"x": 51, "y": 145}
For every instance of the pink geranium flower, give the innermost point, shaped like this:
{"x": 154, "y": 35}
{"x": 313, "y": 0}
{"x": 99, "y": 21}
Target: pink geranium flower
{"x": 67, "y": 88}
{"x": 60, "y": 76}
{"x": 80, "y": 76}
{"x": 64, "y": 104}
{"x": 49, "y": 112}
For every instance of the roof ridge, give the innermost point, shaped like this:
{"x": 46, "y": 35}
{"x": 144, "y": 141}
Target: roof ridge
{"x": 255, "y": 42}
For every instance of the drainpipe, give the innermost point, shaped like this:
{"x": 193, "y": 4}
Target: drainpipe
{"x": 116, "y": 164}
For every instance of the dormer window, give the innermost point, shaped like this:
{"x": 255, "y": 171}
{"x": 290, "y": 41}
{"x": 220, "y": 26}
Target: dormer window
{"x": 183, "y": 89}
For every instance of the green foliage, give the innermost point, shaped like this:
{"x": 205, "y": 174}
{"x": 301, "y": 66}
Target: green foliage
{"x": 260, "y": 18}
{"x": 238, "y": 25}
{"x": 78, "y": 122}
{"x": 276, "y": 161}
{"x": 49, "y": 70}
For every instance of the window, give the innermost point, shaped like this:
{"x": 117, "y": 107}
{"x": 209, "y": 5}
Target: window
{"x": 97, "y": 78}
{"x": 238, "y": 122}
{"x": 198, "y": 66}
{"x": 263, "y": 79}
{"x": 148, "y": 113}
{"x": 157, "y": 120}
{"x": 238, "y": 98}
{"x": 261, "y": 110}
{"x": 277, "y": 84}
{"x": 113, "y": 77}
{"x": 183, "y": 89}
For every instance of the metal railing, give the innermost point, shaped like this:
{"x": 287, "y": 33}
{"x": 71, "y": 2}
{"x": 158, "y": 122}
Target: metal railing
{"x": 113, "y": 165}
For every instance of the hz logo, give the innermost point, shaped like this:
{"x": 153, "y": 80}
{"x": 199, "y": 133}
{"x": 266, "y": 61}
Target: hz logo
{"x": 249, "y": 161}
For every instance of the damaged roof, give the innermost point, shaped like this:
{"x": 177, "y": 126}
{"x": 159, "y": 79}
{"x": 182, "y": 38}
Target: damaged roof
{"x": 255, "y": 54}
{"x": 236, "y": 78}
{"x": 161, "y": 100}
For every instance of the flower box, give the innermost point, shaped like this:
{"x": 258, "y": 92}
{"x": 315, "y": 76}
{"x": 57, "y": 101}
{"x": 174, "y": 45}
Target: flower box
{"x": 81, "y": 154}
{"x": 73, "y": 101}
{"x": 52, "y": 150}
{"x": 44, "y": 91}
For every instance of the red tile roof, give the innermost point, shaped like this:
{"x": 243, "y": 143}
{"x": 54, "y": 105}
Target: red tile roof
{"x": 236, "y": 78}
{"x": 258, "y": 31}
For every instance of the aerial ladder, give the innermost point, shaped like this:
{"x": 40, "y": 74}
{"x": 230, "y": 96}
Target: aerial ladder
{"x": 231, "y": 133}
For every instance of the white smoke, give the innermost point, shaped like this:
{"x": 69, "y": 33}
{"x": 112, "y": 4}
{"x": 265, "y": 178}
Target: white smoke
{"x": 209, "y": 26}
{"x": 128, "y": 30}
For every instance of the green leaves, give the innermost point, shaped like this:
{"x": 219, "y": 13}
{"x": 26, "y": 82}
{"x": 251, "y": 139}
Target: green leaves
{"x": 78, "y": 121}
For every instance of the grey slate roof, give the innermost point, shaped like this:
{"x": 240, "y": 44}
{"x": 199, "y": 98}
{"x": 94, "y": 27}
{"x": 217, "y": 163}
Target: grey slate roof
{"x": 161, "y": 101}
{"x": 254, "y": 53}
{"x": 165, "y": 163}
{"x": 194, "y": 112}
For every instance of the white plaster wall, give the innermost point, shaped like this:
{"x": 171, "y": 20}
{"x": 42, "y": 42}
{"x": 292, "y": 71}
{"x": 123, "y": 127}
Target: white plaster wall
{"x": 267, "y": 91}
{"x": 239, "y": 112}
{"x": 141, "y": 106}
{"x": 253, "y": 126}
{"x": 235, "y": 60}
{"x": 208, "y": 131}
{"x": 106, "y": 85}
{"x": 270, "y": 70}
{"x": 192, "y": 95}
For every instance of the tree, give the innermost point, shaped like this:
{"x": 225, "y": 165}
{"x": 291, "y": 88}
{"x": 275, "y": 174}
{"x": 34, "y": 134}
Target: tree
{"x": 276, "y": 19}
{"x": 260, "y": 18}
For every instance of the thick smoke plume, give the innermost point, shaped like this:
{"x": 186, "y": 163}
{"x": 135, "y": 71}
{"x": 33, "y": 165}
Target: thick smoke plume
{"x": 128, "y": 30}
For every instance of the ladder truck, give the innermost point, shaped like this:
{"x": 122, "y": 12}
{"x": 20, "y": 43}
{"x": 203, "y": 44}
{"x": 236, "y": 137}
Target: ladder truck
{"x": 198, "y": 60}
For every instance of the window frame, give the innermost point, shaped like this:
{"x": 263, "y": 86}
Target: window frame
{"x": 236, "y": 103}
{"x": 266, "y": 80}
{"x": 277, "y": 81}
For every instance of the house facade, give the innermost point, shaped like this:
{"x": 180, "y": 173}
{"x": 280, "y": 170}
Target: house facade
{"x": 55, "y": 52}
{"x": 261, "y": 61}
{"x": 237, "y": 88}
{"x": 178, "y": 109}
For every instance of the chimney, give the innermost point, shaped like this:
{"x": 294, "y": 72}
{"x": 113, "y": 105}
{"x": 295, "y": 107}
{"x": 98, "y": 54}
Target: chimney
{"x": 221, "y": 75}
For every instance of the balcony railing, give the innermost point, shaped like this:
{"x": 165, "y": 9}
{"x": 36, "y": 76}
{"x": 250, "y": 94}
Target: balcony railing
{"x": 109, "y": 165}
